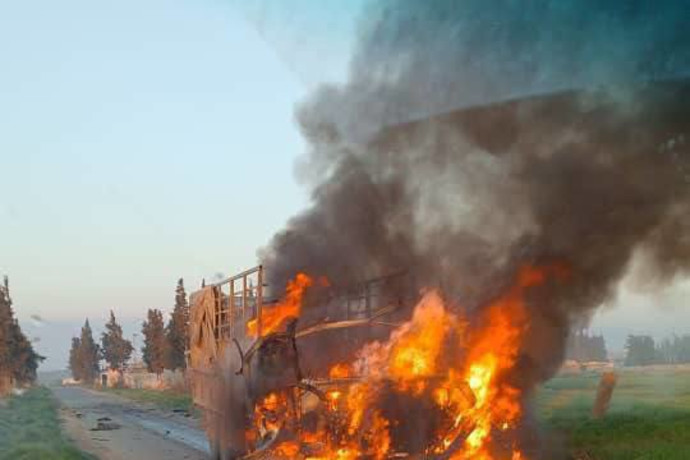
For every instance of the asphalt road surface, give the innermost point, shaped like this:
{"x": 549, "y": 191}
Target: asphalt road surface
{"x": 131, "y": 430}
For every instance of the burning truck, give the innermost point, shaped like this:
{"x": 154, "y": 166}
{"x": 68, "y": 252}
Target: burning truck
{"x": 420, "y": 393}
{"x": 440, "y": 358}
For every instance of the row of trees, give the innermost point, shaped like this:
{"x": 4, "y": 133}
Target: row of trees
{"x": 584, "y": 347}
{"x": 85, "y": 354}
{"x": 18, "y": 359}
{"x": 642, "y": 350}
{"x": 164, "y": 345}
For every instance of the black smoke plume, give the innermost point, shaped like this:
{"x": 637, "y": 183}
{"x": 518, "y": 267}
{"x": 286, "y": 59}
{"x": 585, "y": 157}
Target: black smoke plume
{"x": 474, "y": 137}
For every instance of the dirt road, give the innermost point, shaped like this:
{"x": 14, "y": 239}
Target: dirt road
{"x": 132, "y": 430}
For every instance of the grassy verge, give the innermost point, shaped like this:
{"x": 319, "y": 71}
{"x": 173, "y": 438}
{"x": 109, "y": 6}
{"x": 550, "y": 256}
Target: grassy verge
{"x": 163, "y": 399}
{"x": 649, "y": 416}
{"x": 30, "y": 429}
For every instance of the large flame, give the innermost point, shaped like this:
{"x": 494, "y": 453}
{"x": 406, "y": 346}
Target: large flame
{"x": 459, "y": 364}
{"x": 272, "y": 317}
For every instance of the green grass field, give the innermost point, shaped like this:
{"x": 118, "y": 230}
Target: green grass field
{"x": 649, "y": 417}
{"x": 163, "y": 399}
{"x": 30, "y": 429}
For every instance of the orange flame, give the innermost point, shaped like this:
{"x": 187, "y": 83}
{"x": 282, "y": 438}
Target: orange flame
{"x": 288, "y": 449}
{"x": 416, "y": 346}
{"x": 493, "y": 351}
{"x": 435, "y": 355}
{"x": 340, "y": 371}
{"x": 290, "y": 306}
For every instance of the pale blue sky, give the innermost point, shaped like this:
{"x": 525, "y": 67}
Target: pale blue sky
{"x": 141, "y": 141}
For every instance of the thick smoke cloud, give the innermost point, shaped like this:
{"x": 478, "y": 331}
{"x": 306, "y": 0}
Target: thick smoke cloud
{"x": 474, "y": 137}
{"x": 417, "y": 59}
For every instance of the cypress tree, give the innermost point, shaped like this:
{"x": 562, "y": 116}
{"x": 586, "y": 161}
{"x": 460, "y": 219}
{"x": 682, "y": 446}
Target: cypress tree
{"x": 75, "y": 364}
{"x": 18, "y": 359}
{"x": 6, "y": 320}
{"x": 116, "y": 349}
{"x": 25, "y": 358}
{"x": 88, "y": 354}
{"x": 154, "y": 351}
{"x": 177, "y": 329}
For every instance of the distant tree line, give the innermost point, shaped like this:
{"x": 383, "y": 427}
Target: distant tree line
{"x": 674, "y": 350}
{"x": 584, "y": 347}
{"x": 642, "y": 350}
{"x": 164, "y": 345}
{"x": 18, "y": 359}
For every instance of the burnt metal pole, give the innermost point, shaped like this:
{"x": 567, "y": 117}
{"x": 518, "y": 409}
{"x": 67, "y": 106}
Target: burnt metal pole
{"x": 259, "y": 300}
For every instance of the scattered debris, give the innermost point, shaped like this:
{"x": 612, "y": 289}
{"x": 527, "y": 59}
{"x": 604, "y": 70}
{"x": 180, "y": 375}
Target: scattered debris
{"x": 106, "y": 426}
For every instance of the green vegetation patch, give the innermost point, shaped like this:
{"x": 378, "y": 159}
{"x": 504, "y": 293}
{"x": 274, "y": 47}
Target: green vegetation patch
{"x": 163, "y": 399}
{"x": 30, "y": 429}
{"x": 649, "y": 416}
{"x": 644, "y": 432}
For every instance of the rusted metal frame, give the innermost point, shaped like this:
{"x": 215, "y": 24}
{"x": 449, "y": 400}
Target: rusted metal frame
{"x": 349, "y": 323}
{"x": 237, "y": 276}
{"x": 242, "y": 359}
{"x": 233, "y": 307}
{"x": 369, "y": 320}
{"x": 219, "y": 326}
{"x": 259, "y": 300}
{"x": 216, "y": 313}
{"x": 344, "y": 325}
{"x": 319, "y": 328}
{"x": 244, "y": 299}
{"x": 362, "y": 291}
{"x": 344, "y": 381}
{"x": 307, "y": 386}
{"x": 317, "y": 383}
{"x": 222, "y": 323}
{"x": 329, "y": 326}
{"x": 239, "y": 309}
{"x": 223, "y": 315}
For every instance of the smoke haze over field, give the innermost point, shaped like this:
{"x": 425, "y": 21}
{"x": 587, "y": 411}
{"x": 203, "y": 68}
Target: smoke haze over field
{"x": 587, "y": 178}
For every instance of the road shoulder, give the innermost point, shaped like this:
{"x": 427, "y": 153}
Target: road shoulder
{"x": 112, "y": 428}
